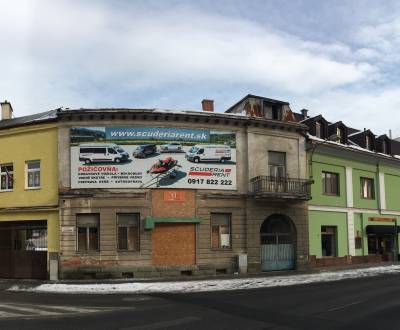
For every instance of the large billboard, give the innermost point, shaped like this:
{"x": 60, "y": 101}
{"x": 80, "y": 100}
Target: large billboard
{"x": 152, "y": 157}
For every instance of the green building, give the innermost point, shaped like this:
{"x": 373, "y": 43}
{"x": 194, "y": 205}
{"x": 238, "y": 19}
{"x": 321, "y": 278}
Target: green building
{"x": 354, "y": 212}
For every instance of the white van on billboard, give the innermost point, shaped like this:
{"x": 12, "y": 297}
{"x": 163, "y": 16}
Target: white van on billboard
{"x": 101, "y": 152}
{"x": 209, "y": 153}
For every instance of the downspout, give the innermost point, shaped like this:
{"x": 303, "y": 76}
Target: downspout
{"x": 378, "y": 195}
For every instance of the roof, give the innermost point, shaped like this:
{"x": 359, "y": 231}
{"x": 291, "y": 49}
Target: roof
{"x": 257, "y": 97}
{"x": 31, "y": 119}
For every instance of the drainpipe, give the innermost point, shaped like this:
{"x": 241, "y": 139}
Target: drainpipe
{"x": 378, "y": 186}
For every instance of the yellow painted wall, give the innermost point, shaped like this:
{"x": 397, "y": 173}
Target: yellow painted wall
{"x": 52, "y": 224}
{"x": 18, "y": 145}
{"x": 36, "y": 142}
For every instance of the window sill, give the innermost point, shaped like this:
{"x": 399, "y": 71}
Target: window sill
{"x": 88, "y": 252}
{"x": 222, "y": 249}
{"x": 128, "y": 251}
{"x": 331, "y": 195}
{"x": 33, "y": 188}
{"x": 6, "y": 190}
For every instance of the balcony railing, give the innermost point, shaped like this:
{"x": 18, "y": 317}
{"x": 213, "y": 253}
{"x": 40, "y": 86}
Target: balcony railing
{"x": 281, "y": 187}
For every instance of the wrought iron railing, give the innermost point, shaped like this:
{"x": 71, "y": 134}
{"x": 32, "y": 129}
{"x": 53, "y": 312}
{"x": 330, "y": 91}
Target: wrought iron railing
{"x": 289, "y": 187}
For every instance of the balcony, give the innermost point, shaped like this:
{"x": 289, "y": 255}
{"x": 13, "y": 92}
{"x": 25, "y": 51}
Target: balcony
{"x": 280, "y": 188}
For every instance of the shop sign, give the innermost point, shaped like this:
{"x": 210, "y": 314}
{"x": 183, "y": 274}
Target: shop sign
{"x": 68, "y": 229}
{"x": 152, "y": 157}
{"x": 382, "y": 219}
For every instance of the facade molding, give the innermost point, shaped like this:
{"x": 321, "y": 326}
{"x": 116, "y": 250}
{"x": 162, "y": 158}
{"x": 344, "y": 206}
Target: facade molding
{"x": 349, "y": 186}
{"x": 350, "y": 209}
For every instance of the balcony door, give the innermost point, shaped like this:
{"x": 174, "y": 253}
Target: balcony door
{"x": 277, "y": 170}
{"x": 277, "y": 164}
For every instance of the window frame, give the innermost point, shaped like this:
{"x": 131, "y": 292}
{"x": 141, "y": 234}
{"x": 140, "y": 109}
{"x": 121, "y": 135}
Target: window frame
{"x": 368, "y": 142}
{"x": 220, "y": 248}
{"x": 87, "y": 234}
{"x": 281, "y": 167}
{"x": 136, "y": 214}
{"x": 28, "y": 171}
{"x": 370, "y": 180}
{"x": 324, "y": 185}
{"x": 318, "y": 130}
{"x": 9, "y": 177}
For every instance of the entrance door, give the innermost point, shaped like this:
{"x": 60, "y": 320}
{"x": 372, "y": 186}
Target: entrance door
{"x": 277, "y": 237}
{"x": 23, "y": 250}
{"x": 381, "y": 244}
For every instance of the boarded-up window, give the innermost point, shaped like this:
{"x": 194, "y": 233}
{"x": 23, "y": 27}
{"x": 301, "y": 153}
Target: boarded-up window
{"x": 128, "y": 232}
{"x": 220, "y": 230}
{"x": 87, "y": 232}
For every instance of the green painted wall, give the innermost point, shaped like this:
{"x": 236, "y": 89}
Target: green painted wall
{"x": 392, "y": 191}
{"x": 318, "y": 198}
{"x": 318, "y": 219}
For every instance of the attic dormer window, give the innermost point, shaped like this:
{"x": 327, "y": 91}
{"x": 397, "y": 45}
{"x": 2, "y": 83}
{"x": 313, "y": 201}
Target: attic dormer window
{"x": 368, "y": 142}
{"x": 318, "y": 130}
{"x": 385, "y": 148}
{"x": 276, "y": 113}
{"x": 339, "y": 133}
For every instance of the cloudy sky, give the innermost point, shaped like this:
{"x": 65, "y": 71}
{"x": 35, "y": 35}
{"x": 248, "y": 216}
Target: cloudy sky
{"x": 338, "y": 58}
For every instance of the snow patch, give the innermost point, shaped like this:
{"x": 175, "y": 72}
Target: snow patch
{"x": 211, "y": 285}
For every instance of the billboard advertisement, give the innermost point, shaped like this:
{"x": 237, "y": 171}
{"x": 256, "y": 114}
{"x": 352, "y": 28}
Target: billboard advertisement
{"x": 152, "y": 157}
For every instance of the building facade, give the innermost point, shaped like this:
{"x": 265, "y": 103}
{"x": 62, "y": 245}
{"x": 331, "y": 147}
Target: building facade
{"x": 157, "y": 193}
{"x": 354, "y": 210}
{"x": 28, "y": 195}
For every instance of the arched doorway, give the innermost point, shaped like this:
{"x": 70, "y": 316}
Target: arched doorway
{"x": 277, "y": 242}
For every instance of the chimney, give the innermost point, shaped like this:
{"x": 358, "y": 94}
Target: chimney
{"x": 390, "y": 134}
{"x": 207, "y": 105}
{"x": 304, "y": 113}
{"x": 6, "y": 110}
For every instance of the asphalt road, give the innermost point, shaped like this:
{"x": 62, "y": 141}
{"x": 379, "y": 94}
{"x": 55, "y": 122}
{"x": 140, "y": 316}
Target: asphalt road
{"x": 368, "y": 303}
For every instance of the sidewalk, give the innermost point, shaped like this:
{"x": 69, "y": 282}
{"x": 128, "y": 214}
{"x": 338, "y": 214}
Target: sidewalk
{"x": 204, "y": 283}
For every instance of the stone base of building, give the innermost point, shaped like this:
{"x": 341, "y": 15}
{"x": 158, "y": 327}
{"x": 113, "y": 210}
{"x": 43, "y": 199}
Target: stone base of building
{"x": 147, "y": 271}
{"x": 348, "y": 260}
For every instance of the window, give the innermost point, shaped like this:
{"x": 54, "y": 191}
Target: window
{"x": 111, "y": 151}
{"x": 33, "y": 174}
{"x": 339, "y": 134}
{"x": 318, "y": 130}
{"x": 367, "y": 188}
{"x": 276, "y": 113}
{"x": 220, "y": 230}
{"x": 330, "y": 183}
{"x": 328, "y": 241}
{"x": 277, "y": 164}
{"x": 7, "y": 177}
{"x": 385, "y": 148}
{"x": 128, "y": 232}
{"x": 87, "y": 232}
{"x": 368, "y": 142}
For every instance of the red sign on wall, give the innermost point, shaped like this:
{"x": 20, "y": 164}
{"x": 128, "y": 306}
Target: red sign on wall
{"x": 174, "y": 196}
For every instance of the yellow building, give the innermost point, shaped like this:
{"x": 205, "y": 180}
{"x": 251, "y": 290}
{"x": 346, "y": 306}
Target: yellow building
{"x": 28, "y": 195}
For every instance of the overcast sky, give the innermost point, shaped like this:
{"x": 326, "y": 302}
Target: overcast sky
{"x": 336, "y": 58}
